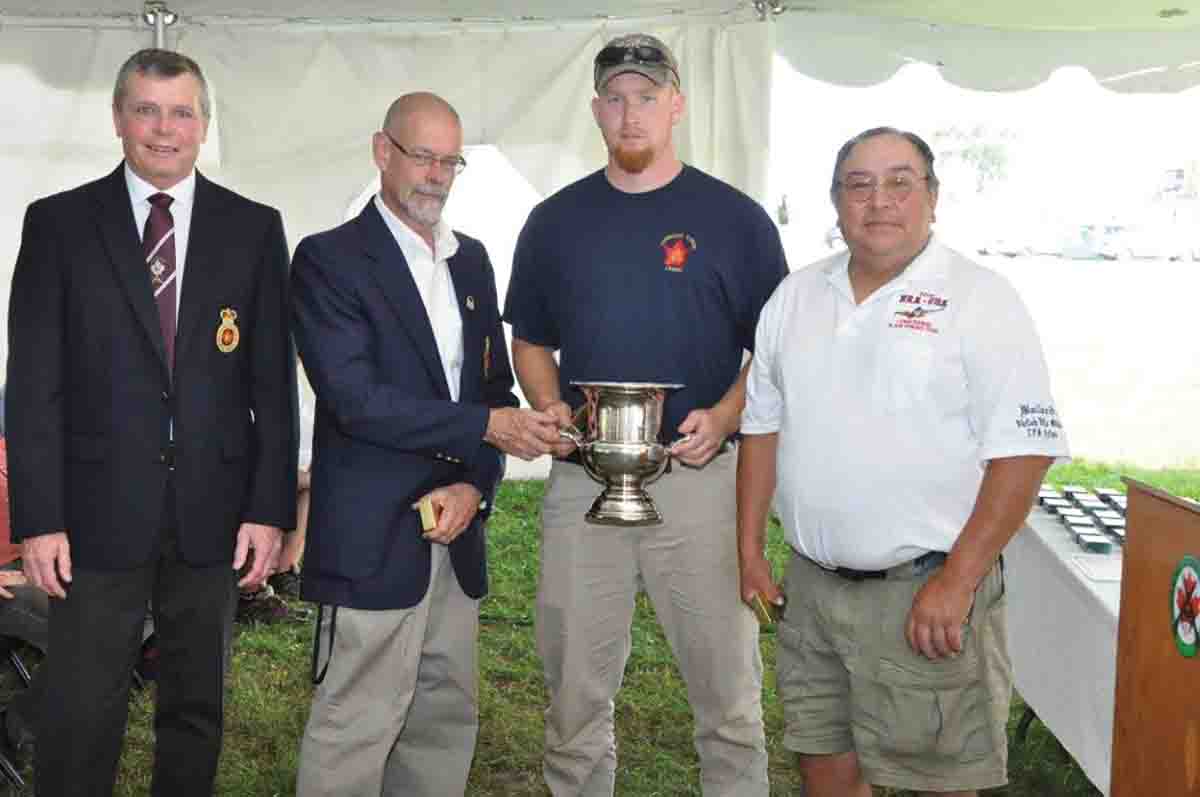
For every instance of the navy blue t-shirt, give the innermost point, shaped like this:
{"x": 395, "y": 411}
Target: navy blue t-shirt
{"x": 662, "y": 286}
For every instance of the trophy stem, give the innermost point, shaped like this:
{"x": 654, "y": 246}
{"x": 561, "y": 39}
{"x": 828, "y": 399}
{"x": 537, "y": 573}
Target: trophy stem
{"x": 624, "y": 502}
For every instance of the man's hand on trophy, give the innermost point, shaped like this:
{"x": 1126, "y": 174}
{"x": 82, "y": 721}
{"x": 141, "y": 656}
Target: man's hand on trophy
{"x": 527, "y": 434}
{"x": 704, "y": 431}
{"x": 561, "y": 412}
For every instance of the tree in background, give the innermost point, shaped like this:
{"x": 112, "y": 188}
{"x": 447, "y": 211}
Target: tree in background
{"x": 981, "y": 151}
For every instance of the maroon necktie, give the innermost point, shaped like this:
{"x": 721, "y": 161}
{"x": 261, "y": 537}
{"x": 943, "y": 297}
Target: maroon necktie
{"x": 158, "y": 242}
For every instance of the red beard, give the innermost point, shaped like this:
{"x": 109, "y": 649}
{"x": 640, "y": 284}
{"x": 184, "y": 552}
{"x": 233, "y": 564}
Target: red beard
{"x": 633, "y": 161}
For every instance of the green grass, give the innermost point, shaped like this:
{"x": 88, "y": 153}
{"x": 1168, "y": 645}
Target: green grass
{"x": 269, "y": 688}
{"x": 1178, "y": 481}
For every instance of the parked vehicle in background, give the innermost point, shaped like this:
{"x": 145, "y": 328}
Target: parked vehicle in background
{"x": 1152, "y": 243}
{"x": 1023, "y": 239}
{"x": 1093, "y": 242}
{"x": 1005, "y": 245}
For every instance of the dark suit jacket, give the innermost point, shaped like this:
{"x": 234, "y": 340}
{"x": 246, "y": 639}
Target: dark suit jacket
{"x": 90, "y": 400}
{"x": 386, "y": 430}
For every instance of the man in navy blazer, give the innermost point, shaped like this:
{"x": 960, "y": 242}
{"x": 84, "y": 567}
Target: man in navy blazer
{"x": 146, "y": 463}
{"x": 399, "y": 331}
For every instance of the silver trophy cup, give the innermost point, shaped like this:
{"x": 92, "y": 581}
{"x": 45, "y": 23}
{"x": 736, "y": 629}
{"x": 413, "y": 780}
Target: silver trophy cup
{"x": 619, "y": 448}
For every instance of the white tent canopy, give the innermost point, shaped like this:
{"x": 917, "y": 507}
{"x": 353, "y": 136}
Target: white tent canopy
{"x": 296, "y": 101}
{"x": 299, "y": 85}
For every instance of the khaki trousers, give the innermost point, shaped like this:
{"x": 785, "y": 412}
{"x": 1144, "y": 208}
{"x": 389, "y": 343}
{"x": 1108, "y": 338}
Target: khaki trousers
{"x": 590, "y": 576}
{"x": 397, "y": 711}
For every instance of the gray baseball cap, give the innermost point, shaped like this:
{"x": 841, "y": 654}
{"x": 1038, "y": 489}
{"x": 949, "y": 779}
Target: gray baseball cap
{"x": 639, "y": 53}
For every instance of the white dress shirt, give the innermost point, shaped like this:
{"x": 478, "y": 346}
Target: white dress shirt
{"x": 432, "y": 275}
{"x": 184, "y": 194}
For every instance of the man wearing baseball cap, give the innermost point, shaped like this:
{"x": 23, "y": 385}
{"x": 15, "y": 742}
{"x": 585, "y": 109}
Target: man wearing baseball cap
{"x": 647, "y": 270}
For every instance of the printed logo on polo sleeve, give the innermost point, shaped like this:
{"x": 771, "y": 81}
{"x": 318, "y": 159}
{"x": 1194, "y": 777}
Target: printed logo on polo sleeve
{"x": 677, "y": 247}
{"x": 1039, "y": 421}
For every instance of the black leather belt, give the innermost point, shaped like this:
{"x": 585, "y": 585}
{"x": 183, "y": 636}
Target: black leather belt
{"x": 922, "y": 563}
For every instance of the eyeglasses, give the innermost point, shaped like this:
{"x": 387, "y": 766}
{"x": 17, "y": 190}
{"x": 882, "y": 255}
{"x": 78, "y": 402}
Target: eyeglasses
{"x": 895, "y": 187}
{"x": 425, "y": 160}
{"x": 634, "y": 54}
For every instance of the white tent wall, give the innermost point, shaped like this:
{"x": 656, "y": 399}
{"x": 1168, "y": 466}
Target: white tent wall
{"x": 296, "y": 103}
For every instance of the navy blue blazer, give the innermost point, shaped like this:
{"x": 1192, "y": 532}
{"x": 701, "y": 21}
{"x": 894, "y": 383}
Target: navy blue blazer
{"x": 386, "y": 429}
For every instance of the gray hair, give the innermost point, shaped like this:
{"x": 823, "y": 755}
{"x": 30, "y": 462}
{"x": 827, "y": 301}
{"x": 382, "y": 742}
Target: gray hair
{"x": 156, "y": 63}
{"x": 912, "y": 138}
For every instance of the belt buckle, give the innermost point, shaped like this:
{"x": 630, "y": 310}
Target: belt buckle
{"x": 850, "y": 574}
{"x": 926, "y": 563}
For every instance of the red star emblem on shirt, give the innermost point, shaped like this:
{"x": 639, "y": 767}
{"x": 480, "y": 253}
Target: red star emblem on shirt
{"x": 675, "y": 255}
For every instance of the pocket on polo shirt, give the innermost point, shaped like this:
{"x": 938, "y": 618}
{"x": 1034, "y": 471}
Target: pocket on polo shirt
{"x": 903, "y": 367}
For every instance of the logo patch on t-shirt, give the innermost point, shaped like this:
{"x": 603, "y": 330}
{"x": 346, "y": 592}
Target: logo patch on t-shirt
{"x": 677, "y": 247}
{"x": 915, "y": 308}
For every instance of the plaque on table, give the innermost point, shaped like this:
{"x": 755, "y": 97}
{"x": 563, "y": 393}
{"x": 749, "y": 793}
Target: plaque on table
{"x": 1068, "y": 514}
{"x": 1080, "y": 525}
{"x": 1095, "y": 543}
{"x": 1053, "y": 505}
{"x": 1108, "y": 514}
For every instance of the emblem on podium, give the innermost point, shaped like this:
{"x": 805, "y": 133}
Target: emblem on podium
{"x": 1185, "y": 605}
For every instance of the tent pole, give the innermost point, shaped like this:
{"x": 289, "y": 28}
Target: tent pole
{"x": 158, "y": 16}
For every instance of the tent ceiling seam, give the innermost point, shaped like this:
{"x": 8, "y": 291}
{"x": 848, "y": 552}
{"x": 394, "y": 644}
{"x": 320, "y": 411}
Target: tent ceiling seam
{"x": 735, "y": 12}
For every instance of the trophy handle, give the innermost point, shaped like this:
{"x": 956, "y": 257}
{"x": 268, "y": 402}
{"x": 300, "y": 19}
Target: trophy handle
{"x": 683, "y": 439}
{"x": 571, "y": 433}
{"x": 667, "y": 458}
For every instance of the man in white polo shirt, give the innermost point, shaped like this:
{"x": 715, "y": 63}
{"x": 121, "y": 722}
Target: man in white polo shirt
{"x": 899, "y": 402}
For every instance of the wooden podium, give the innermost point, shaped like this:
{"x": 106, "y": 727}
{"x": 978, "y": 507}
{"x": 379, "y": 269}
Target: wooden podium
{"x": 1156, "y": 729}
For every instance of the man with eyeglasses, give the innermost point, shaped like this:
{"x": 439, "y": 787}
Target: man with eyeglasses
{"x": 648, "y": 270}
{"x": 900, "y": 405}
{"x": 398, "y": 327}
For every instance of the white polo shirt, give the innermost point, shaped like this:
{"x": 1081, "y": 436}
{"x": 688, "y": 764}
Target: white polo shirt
{"x": 888, "y": 411}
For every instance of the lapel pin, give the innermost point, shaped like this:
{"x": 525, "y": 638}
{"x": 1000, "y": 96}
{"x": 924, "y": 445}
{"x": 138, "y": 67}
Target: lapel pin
{"x": 470, "y": 302}
{"x": 228, "y": 334}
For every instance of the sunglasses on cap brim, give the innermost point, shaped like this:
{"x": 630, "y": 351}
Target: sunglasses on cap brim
{"x": 643, "y": 54}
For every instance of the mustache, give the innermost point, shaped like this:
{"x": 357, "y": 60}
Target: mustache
{"x": 431, "y": 191}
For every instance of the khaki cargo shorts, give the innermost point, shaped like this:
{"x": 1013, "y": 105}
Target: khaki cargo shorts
{"x": 849, "y": 681}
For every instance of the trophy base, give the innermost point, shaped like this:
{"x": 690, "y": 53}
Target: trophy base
{"x": 624, "y": 507}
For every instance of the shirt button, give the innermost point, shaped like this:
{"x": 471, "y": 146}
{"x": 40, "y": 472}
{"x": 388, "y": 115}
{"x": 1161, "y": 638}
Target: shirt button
{"x": 165, "y": 396}
{"x": 162, "y": 458}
